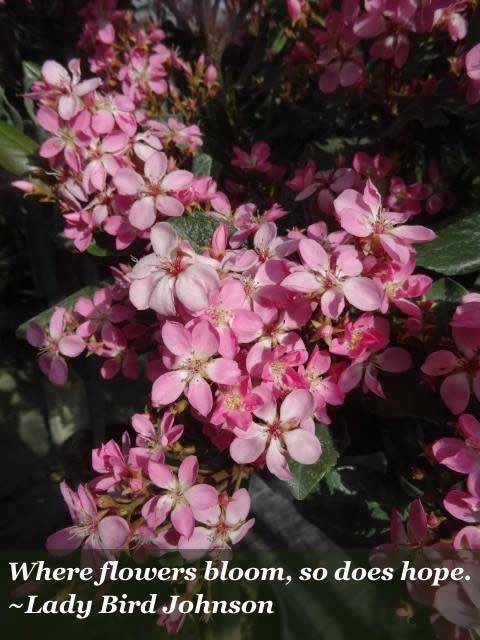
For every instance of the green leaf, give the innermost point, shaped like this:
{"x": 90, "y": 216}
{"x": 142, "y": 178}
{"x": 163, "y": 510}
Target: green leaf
{"x": 279, "y": 42}
{"x": 447, "y": 293}
{"x": 15, "y": 150}
{"x": 197, "y": 228}
{"x": 96, "y": 250}
{"x": 202, "y": 165}
{"x": 306, "y": 477}
{"x": 43, "y": 318}
{"x": 457, "y": 248}
{"x": 447, "y": 290}
{"x": 31, "y": 73}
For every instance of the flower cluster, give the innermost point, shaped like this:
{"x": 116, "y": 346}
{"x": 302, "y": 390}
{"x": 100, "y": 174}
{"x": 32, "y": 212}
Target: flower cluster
{"x": 319, "y": 188}
{"x": 114, "y": 168}
{"x": 455, "y": 604}
{"x": 336, "y": 54}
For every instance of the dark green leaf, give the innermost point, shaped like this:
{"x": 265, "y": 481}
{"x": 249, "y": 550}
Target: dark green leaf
{"x": 43, "y": 318}
{"x": 447, "y": 290}
{"x": 15, "y": 149}
{"x": 197, "y": 228}
{"x": 279, "y": 42}
{"x": 95, "y": 249}
{"x": 306, "y": 477}
{"x": 31, "y": 73}
{"x": 202, "y": 165}
{"x": 456, "y": 249}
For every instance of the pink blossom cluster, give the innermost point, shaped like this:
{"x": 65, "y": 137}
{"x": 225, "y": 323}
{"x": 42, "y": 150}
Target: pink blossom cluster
{"x": 455, "y": 604}
{"x": 115, "y": 168}
{"x": 335, "y": 52}
{"x": 233, "y": 327}
{"x": 319, "y": 188}
{"x": 171, "y": 511}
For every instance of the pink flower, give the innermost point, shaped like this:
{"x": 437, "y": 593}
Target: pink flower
{"x": 327, "y": 185}
{"x": 114, "y": 109}
{"x": 120, "y": 469}
{"x": 114, "y": 347}
{"x": 322, "y": 387}
{"x": 460, "y": 371}
{"x": 225, "y": 523}
{"x": 257, "y": 160}
{"x": 234, "y": 405}
{"x": 373, "y": 167}
{"x": 247, "y": 220}
{"x": 99, "y": 311}
{"x": 365, "y": 217}
{"x": 54, "y": 344}
{"x": 294, "y": 8}
{"x": 229, "y": 312}
{"x": 393, "y": 360}
{"x": 461, "y": 455}
{"x": 181, "y": 497}
{"x": 63, "y": 90}
{"x": 96, "y": 531}
{"x": 173, "y": 272}
{"x": 289, "y": 433}
{"x": 333, "y": 278}
{"x": 472, "y": 66}
{"x": 191, "y": 363}
{"x": 155, "y": 437}
{"x": 70, "y": 138}
{"x": 403, "y": 540}
{"x": 154, "y": 192}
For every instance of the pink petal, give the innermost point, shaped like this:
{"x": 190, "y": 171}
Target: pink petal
{"x": 297, "y": 406}
{"x": 127, "y": 181}
{"x": 169, "y": 206}
{"x": 183, "y": 520}
{"x": 332, "y": 303}
{"x": 395, "y": 360}
{"x": 246, "y": 450}
{"x": 55, "y": 74}
{"x": 223, "y": 371}
{"x": 71, "y": 346}
{"x": 455, "y": 392}
{"x": 168, "y": 387}
{"x": 200, "y": 396}
{"x": 303, "y": 446}
{"x": 201, "y": 497}
{"x": 363, "y": 293}
{"x": 142, "y": 214}
{"x": 58, "y": 371}
{"x": 188, "y": 471}
{"x": 205, "y": 340}
{"x": 417, "y": 523}
{"x": 177, "y": 180}
{"x": 277, "y": 462}
{"x": 238, "y": 508}
{"x": 161, "y": 475}
{"x": 51, "y": 148}
{"x": 301, "y": 281}
{"x": 454, "y": 454}
{"x": 113, "y": 532}
{"x": 161, "y": 298}
{"x": 156, "y": 166}
{"x": 35, "y": 335}
{"x": 176, "y": 338}
{"x": 439, "y": 363}
{"x": 414, "y": 233}
{"x": 164, "y": 239}
{"x": 64, "y": 541}
{"x": 313, "y": 254}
